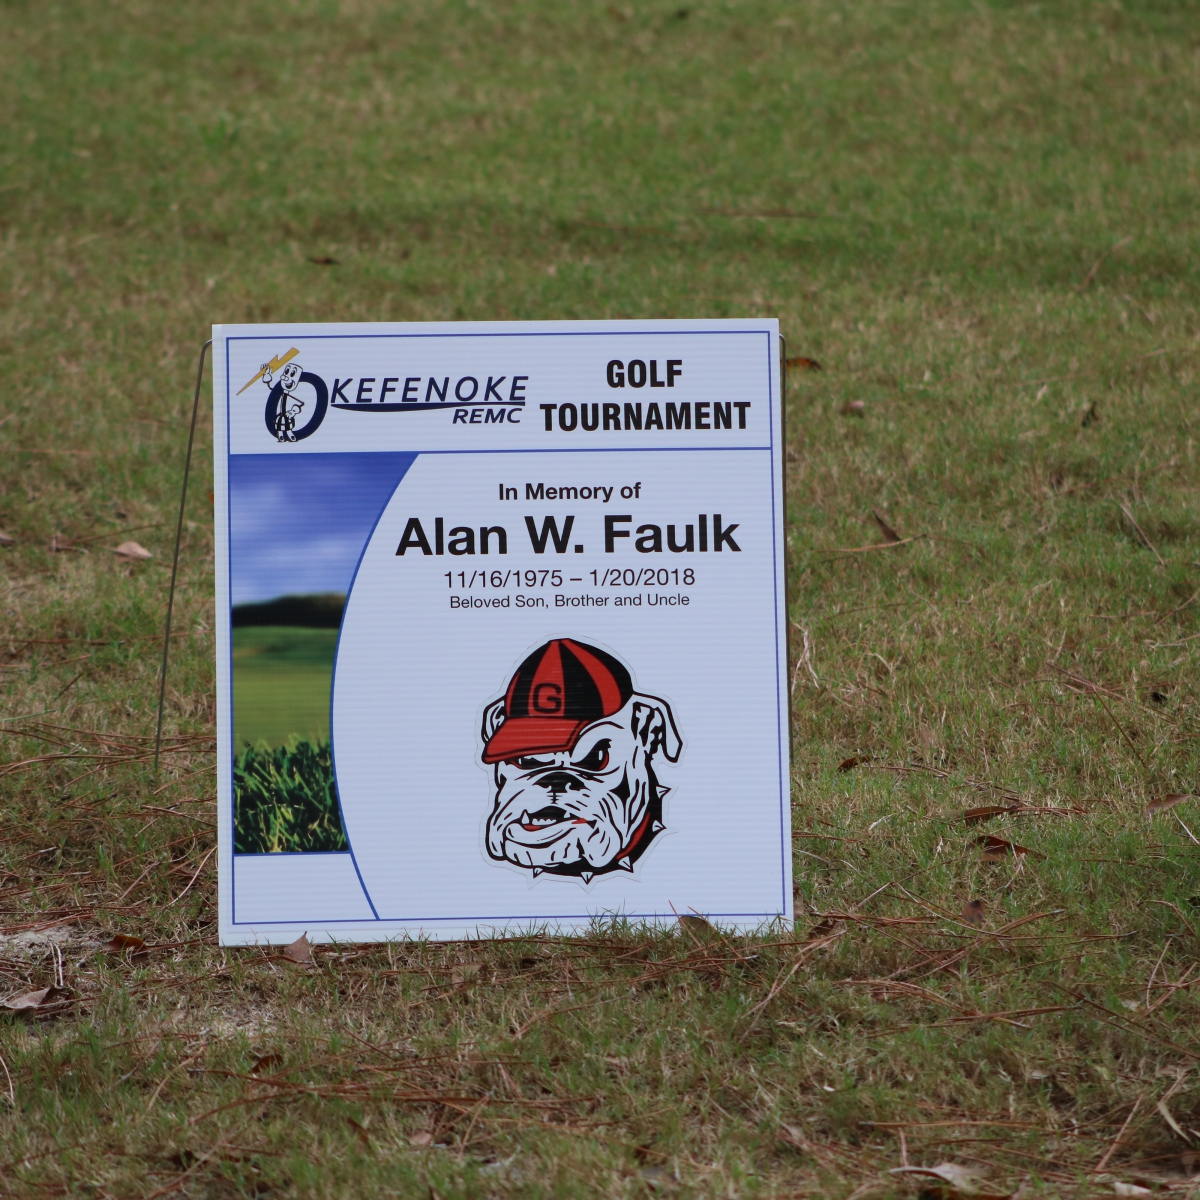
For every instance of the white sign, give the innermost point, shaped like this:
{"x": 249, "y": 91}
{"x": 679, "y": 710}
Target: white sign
{"x": 502, "y": 632}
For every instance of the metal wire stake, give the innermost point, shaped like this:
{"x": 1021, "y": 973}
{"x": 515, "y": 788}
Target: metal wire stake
{"x": 187, "y": 469}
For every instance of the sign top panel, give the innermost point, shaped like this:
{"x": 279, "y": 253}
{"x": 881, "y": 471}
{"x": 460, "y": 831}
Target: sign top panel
{"x": 564, "y": 385}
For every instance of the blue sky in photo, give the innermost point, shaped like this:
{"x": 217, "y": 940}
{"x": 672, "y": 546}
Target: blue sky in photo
{"x": 298, "y": 523}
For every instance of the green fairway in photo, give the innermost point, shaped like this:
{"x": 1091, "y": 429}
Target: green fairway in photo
{"x": 281, "y": 680}
{"x": 283, "y": 772}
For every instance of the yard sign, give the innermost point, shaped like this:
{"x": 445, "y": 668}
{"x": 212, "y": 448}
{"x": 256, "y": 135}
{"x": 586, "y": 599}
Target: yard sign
{"x": 501, "y": 629}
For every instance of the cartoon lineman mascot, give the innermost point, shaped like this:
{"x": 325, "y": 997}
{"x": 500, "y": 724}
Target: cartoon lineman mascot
{"x": 573, "y": 746}
{"x": 290, "y": 405}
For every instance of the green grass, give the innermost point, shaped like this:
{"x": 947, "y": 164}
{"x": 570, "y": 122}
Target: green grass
{"x": 285, "y": 800}
{"x": 991, "y": 243}
{"x": 281, "y": 680}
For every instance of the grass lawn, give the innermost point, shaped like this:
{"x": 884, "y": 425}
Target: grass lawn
{"x": 281, "y": 680}
{"x": 980, "y": 219}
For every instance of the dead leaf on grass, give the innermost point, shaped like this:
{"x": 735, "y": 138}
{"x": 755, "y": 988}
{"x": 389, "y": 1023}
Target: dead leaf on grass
{"x": 462, "y": 972}
{"x": 1131, "y": 1189}
{"x": 1162, "y": 803}
{"x": 951, "y": 1180}
{"x": 805, "y": 364}
{"x": 889, "y": 534}
{"x": 996, "y": 849}
{"x": 29, "y": 1003}
{"x": 854, "y": 408}
{"x": 421, "y": 1138}
{"x": 972, "y": 912}
{"x": 132, "y": 552}
{"x": 299, "y": 951}
{"x": 264, "y": 1061}
{"x": 5, "y": 540}
{"x": 848, "y": 764}
{"x": 972, "y": 815}
{"x": 697, "y": 925}
{"x": 124, "y": 941}
{"x": 325, "y": 260}
{"x": 28, "y": 1000}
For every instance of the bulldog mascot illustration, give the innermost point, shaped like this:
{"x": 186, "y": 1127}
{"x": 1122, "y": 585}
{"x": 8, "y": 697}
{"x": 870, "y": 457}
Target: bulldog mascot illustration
{"x": 573, "y": 747}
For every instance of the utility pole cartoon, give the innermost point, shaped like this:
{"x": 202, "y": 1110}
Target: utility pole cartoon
{"x": 290, "y": 405}
{"x": 283, "y": 423}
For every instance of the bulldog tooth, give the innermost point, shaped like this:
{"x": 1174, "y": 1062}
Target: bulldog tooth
{"x": 536, "y": 872}
{"x": 586, "y": 876}
{"x": 657, "y": 827}
{"x": 524, "y": 818}
{"x": 662, "y": 791}
{"x": 624, "y": 864}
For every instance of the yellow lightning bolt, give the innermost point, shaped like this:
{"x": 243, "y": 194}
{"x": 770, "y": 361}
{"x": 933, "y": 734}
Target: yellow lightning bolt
{"x": 272, "y": 366}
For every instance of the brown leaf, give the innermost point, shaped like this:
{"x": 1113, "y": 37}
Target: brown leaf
{"x": 124, "y": 941}
{"x": 1168, "y": 801}
{"x": 5, "y": 540}
{"x": 421, "y": 1138}
{"x": 264, "y": 1061}
{"x": 805, "y": 364}
{"x": 854, "y": 408}
{"x": 132, "y": 552}
{"x": 972, "y": 912}
{"x": 848, "y": 764}
{"x": 29, "y": 1003}
{"x": 949, "y": 1180}
{"x": 324, "y": 260}
{"x": 995, "y": 848}
{"x": 299, "y": 951}
{"x": 988, "y": 810}
{"x": 889, "y": 534}
{"x": 697, "y": 926}
{"x": 461, "y": 972}
{"x": 28, "y": 1000}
